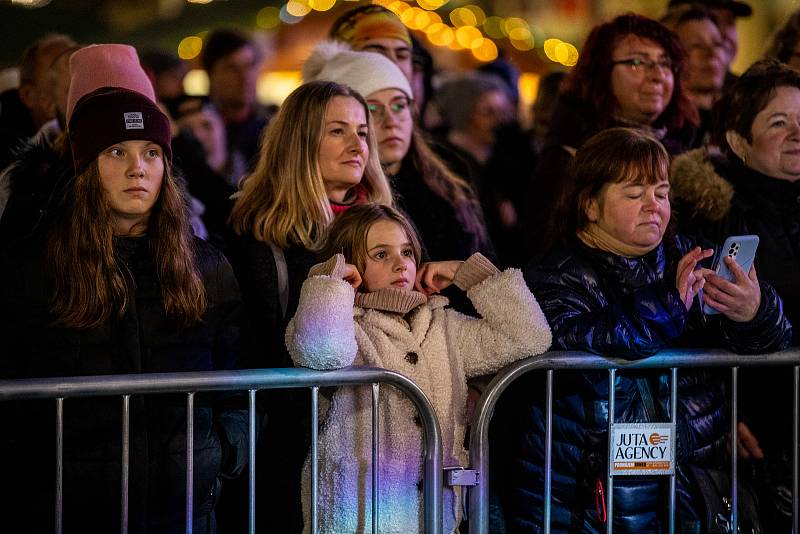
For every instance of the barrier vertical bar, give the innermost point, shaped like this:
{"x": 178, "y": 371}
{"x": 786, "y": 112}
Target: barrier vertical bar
{"x": 189, "y": 460}
{"x": 673, "y": 418}
{"x": 314, "y": 459}
{"x": 376, "y": 477}
{"x": 548, "y": 452}
{"x": 795, "y": 455}
{"x": 612, "y": 379}
{"x": 59, "y": 463}
{"x": 126, "y": 441}
{"x": 251, "y": 468}
{"x": 734, "y": 449}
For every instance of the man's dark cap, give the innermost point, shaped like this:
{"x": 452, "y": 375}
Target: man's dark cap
{"x": 739, "y": 9}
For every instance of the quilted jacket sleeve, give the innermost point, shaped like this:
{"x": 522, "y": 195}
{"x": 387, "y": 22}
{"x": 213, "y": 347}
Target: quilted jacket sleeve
{"x": 511, "y": 326}
{"x": 321, "y": 335}
{"x": 767, "y": 332}
{"x": 583, "y": 318}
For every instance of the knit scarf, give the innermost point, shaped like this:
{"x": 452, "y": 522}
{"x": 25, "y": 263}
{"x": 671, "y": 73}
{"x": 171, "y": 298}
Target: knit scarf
{"x": 391, "y": 299}
{"x": 359, "y": 196}
{"x": 594, "y": 236}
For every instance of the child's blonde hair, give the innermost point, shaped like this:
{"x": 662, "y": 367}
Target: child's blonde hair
{"x": 348, "y": 233}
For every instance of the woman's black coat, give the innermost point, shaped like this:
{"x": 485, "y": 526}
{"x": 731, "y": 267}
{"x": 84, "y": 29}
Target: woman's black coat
{"x": 143, "y": 340}
{"x": 626, "y": 308}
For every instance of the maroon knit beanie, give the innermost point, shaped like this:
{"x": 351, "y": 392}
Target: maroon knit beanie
{"x": 110, "y": 115}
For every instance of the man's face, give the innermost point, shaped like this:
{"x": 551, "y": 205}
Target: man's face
{"x": 232, "y": 80}
{"x": 395, "y": 49}
{"x": 727, "y": 26}
{"x": 36, "y": 95}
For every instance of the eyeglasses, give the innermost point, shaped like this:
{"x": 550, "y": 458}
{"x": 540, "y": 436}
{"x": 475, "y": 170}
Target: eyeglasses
{"x": 399, "y": 108}
{"x": 645, "y": 65}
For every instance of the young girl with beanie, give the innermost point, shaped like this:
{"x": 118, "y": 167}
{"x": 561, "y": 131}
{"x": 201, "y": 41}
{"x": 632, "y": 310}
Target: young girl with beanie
{"x": 372, "y": 303}
{"x": 119, "y": 286}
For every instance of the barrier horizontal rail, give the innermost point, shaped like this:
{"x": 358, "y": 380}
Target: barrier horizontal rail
{"x": 583, "y": 361}
{"x": 191, "y": 383}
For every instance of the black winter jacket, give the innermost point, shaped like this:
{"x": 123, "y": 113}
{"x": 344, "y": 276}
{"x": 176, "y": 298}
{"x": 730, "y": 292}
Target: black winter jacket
{"x": 629, "y": 308}
{"x": 716, "y": 197}
{"x": 144, "y": 340}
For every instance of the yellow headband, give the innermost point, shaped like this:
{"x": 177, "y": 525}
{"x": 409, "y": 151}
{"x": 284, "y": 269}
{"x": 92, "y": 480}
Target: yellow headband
{"x": 366, "y": 25}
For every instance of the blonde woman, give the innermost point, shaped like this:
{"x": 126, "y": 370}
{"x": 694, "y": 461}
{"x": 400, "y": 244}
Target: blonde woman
{"x": 318, "y": 158}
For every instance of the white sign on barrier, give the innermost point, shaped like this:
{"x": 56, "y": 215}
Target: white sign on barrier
{"x": 642, "y": 449}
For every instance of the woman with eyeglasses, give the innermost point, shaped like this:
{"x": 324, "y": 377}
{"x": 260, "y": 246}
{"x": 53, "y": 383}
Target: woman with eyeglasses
{"x": 627, "y": 75}
{"x": 442, "y": 205}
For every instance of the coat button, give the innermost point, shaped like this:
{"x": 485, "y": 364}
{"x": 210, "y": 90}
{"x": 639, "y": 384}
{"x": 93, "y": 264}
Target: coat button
{"x": 412, "y": 358}
{"x": 419, "y": 485}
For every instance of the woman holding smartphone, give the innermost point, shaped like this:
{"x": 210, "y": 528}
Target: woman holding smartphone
{"x": 618, "y": 283}
{"x": 753, "y": 187}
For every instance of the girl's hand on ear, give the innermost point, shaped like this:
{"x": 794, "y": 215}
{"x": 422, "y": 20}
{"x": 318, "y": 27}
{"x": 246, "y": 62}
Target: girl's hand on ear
{"x": 351, "y": 275}
{"x": 433, "y": 277}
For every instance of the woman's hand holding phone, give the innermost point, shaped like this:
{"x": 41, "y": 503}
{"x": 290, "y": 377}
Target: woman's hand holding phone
{"x": 690, "y": 280}
{"x": 739, "y": 299}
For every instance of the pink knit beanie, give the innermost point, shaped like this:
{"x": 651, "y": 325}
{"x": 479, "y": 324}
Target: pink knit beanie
{"x": 106, "y": 65}
{"x": 111, "y": 100}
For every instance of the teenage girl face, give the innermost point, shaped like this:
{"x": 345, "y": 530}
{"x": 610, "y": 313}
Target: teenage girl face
{"x": 131, "y": 173}
{"x": 390, "y": 258}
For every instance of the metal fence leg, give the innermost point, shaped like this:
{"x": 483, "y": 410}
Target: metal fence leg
{"x": 548, "y": 452}
{"x": 376, "y": 460}
{"x": 126, "y": 433}
{"x": 314, "y": 459}
{"x": 795, "y": 455}
{"x": 612, "y": 379}
{"x": 59, "y": 464}
{"x": 189, "y": 460}
{"x": 251, "y": 468}
{"x": 673, "y": 416}
{"x": 734, "y": 449}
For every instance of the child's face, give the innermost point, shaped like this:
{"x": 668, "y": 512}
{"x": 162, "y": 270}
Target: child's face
{"x": 390, "y": 258}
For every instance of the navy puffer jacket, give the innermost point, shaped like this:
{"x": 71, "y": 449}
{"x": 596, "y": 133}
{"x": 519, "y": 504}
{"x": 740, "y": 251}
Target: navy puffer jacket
{"x": 622, "y": 307}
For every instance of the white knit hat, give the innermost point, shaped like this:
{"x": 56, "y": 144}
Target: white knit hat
{"x": 366, "y": 72}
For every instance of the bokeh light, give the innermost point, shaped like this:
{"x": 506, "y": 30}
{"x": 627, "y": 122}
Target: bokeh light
{"x": 466, "y": 35}
{"x": 195, "y": 83}
{"x": 485, "y": 51}
{"x": 431, "y": 4}
{"x": 441, "y": 34}
{"x": 321, "y": 5}
{"x": 298, "y": 8}
{"x": 267, "y": 18}
{"x": 550, "y": 48}
{"x": 287, "y": 17}
{"x": 190, "y": 47}
{"x": 461, "y": 16}
{"x": 480, "y": 15}
{"x": 494, "y": 27}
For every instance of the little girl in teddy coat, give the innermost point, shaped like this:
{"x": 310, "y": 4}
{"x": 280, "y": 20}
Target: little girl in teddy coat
{"x": 361, "y": 308}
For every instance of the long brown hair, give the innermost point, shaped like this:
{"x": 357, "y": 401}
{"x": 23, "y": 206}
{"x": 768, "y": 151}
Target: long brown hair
{"x": 284, "y": 201}
{"x": 452, "y": 188}
{"x": 348, "y": 233}
{"x": 88, "y": 282}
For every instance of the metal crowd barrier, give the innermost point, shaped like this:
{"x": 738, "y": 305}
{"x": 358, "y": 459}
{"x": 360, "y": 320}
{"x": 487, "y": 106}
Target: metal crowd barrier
{"x": 251, "y": 381}
{"x": 573, "y": 360}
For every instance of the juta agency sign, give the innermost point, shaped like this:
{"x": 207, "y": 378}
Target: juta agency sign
{"x": 642, "y": 449}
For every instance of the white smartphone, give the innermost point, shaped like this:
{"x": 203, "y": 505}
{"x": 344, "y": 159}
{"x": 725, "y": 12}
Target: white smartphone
{"x": 742, "y": 248}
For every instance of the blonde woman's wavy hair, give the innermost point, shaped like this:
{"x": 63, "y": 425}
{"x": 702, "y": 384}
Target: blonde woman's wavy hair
{"x": 283, "y": 201}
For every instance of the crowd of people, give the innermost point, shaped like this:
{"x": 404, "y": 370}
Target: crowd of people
{"x": 384, "y": 216}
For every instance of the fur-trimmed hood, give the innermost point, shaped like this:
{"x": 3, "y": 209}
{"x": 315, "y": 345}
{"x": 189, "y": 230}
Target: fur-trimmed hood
{"x": 698, "y": 187}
